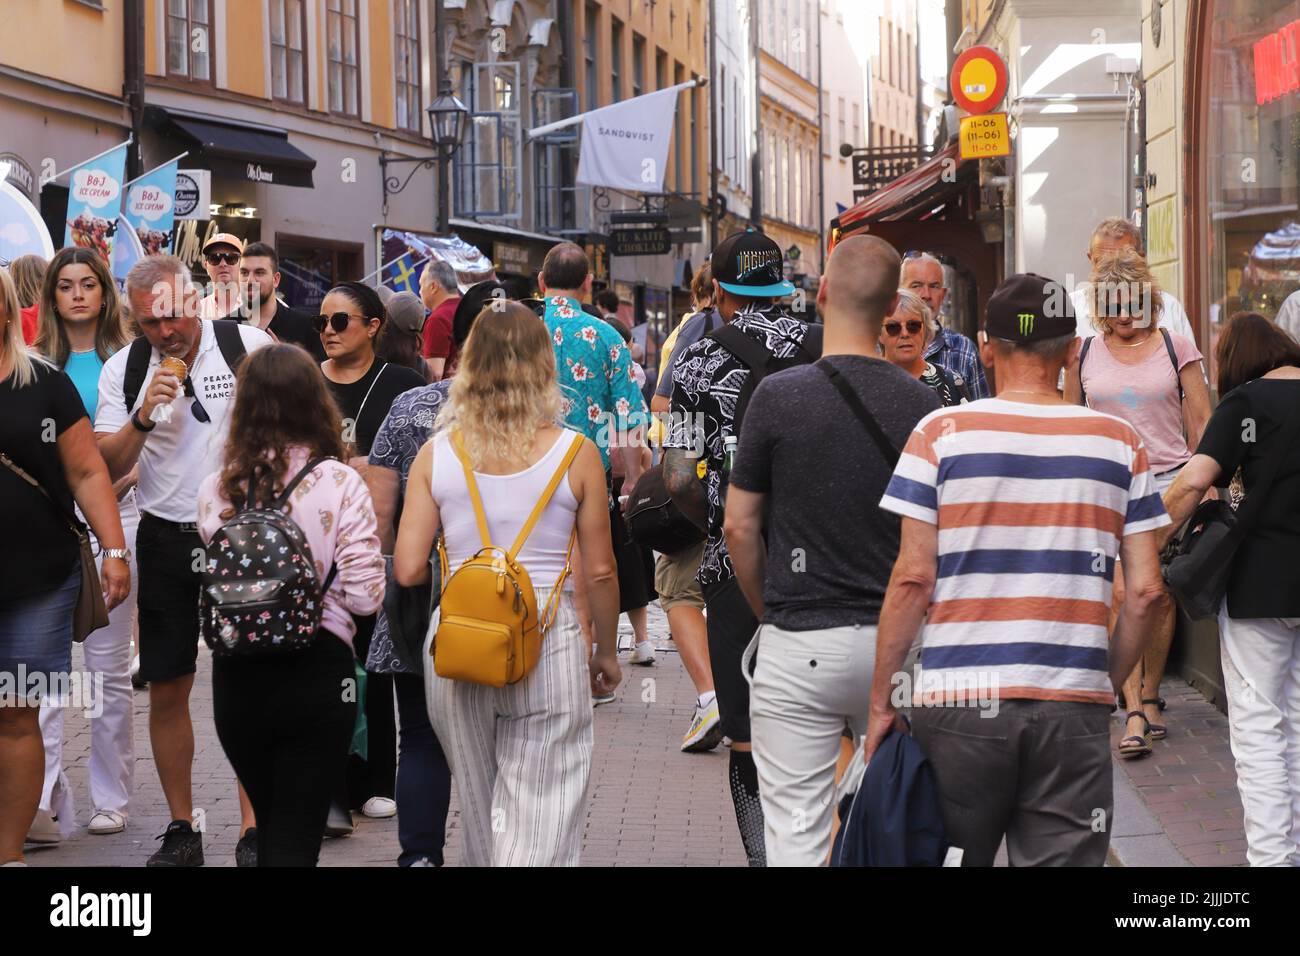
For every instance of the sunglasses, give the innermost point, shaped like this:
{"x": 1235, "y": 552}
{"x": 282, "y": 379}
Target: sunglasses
{"x": 896, "y": 328}
{"x": 229, "y": 258}
{"x": 338, "y": 322}
{"x": 196, "y": 409}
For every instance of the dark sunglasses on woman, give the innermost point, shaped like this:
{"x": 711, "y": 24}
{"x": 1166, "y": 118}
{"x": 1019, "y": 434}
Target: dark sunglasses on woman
{"x": 338, "y": 322}
{"x": 896, "y": 328}
{"x": 229, "y": 258}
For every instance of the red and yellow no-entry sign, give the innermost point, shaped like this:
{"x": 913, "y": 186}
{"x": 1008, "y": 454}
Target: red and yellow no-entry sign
{"x": 979, "y": 80}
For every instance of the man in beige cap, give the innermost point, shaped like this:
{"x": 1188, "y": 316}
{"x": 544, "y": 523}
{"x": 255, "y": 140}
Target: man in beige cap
{"x": 221, "y": 255}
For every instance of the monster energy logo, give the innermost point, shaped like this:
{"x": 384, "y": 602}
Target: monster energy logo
{"x": 1026, "y": 322}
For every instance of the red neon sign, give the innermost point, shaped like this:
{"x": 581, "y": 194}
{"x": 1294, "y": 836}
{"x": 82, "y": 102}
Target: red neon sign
{"x": 1277, "y": 63}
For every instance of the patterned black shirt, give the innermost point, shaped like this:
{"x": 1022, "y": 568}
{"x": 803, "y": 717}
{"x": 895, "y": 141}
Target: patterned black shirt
{"x": 706, "y": 385}
{"x": 945, "y": 384}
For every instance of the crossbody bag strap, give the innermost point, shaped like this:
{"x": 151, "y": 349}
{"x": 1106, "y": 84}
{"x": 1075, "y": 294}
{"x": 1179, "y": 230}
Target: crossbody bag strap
{"x": 574, "y": 447}
{"x": 362, "y": 410}
{"x": 13, "y": 466}
{"x": 1173, "y": 360}
{"x": 864, "y": 415}
{"x": 1083, "y": 354}
{"x": 458, "y": 446}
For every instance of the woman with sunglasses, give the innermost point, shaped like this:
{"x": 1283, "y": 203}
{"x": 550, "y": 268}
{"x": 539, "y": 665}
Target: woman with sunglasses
{"x": 1150, "y": 377}
{"x": 351, "y": 322}
{"x": 904, "y": 337}
{"x": 79, "y": 326}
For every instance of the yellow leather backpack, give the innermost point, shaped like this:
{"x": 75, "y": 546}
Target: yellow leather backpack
{"x": 489, "y": 631}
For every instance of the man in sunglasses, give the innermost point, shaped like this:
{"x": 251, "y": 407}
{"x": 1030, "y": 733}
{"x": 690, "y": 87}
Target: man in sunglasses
{"x": 923, "y": 275}
{"x": 259, "y": 274}
{"x": 221, "y": 255}
{"x": 173, "y": 454}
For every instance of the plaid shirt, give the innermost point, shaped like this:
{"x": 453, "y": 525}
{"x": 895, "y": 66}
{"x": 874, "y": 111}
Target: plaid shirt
{"x": 957, "y": 354}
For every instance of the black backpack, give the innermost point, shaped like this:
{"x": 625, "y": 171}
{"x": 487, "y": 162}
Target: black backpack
{"x": 259, "y": 590}
{"x": 229, "y": 341}
{"x": 654, "y": 521}
{"x": 762, "y": 363}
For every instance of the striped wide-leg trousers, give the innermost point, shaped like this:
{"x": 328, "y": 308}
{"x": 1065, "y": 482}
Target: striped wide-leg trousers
{"x": 521, "y": 755}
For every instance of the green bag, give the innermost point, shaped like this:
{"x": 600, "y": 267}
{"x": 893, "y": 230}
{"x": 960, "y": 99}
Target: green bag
{"x": 359, "y": 736}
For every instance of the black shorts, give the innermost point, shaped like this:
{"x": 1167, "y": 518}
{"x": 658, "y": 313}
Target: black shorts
{"x": 170, "y": 558}
{"x": 731, "y": 624}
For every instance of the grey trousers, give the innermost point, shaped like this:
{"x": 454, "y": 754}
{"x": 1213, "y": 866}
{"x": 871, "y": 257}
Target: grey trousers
{"x": 520, "y": 755}
{"x": 1039, "y": 773}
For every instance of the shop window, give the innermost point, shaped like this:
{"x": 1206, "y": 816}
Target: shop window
{"x": 1252, "y": 162}
{"x": 288, "y": 60}
{"x": 561, "y": 207}
{"x": 486, "y": 168}
{"x": 406, "y": 44}
{"x": 343, "y": 41}
{"x": 189, "y": 40}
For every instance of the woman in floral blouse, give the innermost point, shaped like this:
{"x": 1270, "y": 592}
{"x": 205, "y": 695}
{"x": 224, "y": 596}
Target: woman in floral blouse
{"x": 284, "y": 721}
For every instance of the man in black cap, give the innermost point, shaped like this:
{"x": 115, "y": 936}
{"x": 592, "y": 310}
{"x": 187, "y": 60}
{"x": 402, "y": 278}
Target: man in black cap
{"x": 1014, "y": 510}
{"x": 712, "y": 383}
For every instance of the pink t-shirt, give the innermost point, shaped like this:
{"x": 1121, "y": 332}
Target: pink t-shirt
{"x": 332, "y": 506}
{"x": 1145, "y": 395}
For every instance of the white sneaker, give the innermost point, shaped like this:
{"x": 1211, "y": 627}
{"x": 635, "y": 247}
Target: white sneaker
{"x": 643, "y": 654}
{"x": 105, "y": 822}
{"x": 424, "y": 861}
{"x": 380, "y": 808}
{"x": 705, "y": 732}
{"x": 44, "y": 829}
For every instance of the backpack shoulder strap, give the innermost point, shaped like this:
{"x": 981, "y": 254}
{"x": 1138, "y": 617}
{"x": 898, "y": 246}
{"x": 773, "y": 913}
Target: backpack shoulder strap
{"x": 293, "y": 482}
{"x": 812, "y": 342}
{"x": 863, "y": 414}
{"x": 743, "y": 347}
{"x": 1173, "y": 359}
{"x": 545, "y": 498}
{"x": 458, "y": 446}
{"x": 137, "y": 369}
{"x": 230, "y": 342}
{"x": 1083, "y": 354}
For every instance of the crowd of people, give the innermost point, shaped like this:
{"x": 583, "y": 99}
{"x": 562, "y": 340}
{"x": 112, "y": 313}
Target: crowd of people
{"x": 406, "y": 513}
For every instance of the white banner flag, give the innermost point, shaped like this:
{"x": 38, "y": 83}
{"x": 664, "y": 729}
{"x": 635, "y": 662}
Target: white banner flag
{"x": 625, "y": 146}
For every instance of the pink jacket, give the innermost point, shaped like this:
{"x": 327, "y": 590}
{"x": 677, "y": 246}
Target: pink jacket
{"x": 332, "y": 506}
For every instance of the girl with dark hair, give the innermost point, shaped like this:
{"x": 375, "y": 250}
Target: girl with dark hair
{"x": 1256, "y": 429}
{"x": 364, "y": 386}
{"x": 79, "y": 326}
{"x": 282, "y": 720}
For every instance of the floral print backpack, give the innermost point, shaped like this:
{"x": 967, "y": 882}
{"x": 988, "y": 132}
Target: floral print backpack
{"x": 260, "y": 591}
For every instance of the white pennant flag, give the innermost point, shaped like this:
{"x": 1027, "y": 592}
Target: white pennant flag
{"x": 625, "y": 146}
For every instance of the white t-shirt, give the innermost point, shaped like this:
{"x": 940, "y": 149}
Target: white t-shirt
{"x": 178, "y": 454}
{"x": 1288, "y": 317}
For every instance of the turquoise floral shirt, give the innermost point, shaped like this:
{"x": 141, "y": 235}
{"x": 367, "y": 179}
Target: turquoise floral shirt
{"x": 595, "y": 371}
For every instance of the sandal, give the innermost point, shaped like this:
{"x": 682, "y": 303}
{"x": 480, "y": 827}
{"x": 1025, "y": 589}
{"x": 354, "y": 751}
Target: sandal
{"x": 1135, "y": 745}
{"x": 1158, "y": 731}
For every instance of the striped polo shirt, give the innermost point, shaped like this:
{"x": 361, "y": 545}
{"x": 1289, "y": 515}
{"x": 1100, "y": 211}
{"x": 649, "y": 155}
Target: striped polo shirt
{"x": 1031, "y": 503}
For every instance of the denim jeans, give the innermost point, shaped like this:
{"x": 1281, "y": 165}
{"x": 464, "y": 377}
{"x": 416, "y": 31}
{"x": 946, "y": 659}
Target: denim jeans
{"x": 423, "y": 777}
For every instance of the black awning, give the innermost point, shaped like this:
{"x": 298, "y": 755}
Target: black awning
{"x": 259, "y": 154}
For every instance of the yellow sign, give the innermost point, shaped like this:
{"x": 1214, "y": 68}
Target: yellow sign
{"x": 984, "y": 136}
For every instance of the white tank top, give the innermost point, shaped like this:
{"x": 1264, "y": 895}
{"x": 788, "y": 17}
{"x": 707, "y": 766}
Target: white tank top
{"x": 508, "y": 500}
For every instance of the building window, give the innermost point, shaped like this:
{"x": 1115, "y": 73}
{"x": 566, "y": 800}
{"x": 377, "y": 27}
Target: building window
{"x": 486, "y": 170}
{"x": 616, "y": 59}
{"x": 406, "y": 44}
{"x": 638, "y": 65}
{"x": 343, "y": 40}
{"x": 722, "y": 125}
{"x": 842, "y": 125}
{"x": 288, "y": 63}
{"x": 742, "y": 166}
{"x": 589, "y": 54}
{"x": 189, "y": 40}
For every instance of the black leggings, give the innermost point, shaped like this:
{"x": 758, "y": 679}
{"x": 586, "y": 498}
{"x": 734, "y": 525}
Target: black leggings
{"x": 285, "y": 723}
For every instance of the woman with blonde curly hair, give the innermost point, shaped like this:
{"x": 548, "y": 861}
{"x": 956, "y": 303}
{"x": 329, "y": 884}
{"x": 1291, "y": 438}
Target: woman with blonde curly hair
{"x": 1151, "y": 378}
{"x": 523, "y": 749}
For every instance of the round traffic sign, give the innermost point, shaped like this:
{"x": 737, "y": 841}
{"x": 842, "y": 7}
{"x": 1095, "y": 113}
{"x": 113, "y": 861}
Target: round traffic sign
{"x": 979, "y": 80}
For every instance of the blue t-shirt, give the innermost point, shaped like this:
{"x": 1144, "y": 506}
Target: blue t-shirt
{"x": 84, "y": 368}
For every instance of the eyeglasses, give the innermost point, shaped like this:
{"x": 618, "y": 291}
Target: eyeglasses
{"x": 338, "y": 322}
{"x": 229, "y": 258}
{"x": 196, "y": 408}
{"x": 896, "y": 328}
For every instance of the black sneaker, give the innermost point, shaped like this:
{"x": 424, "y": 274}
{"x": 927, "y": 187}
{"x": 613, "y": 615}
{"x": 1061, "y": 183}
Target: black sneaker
{"x": 181, "y": 846}
{"x": 246, "y": 849}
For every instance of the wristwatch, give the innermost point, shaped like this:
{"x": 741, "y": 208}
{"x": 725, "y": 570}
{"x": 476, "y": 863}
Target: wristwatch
{"x": 123, "y": 553}
{"x": 139, "y": 424}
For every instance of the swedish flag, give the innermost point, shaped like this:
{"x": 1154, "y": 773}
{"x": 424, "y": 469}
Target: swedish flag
{"x": 400, "y": 272}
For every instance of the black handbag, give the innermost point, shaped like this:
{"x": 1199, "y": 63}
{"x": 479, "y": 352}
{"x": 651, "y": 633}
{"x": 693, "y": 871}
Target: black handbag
{"x": 654, "y": 521}
{"x": 1197, "y": 565}
{"x": 408, "y": 611}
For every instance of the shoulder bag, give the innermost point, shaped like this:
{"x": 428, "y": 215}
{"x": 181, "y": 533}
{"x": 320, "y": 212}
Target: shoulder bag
{"x": 91, "y": 612}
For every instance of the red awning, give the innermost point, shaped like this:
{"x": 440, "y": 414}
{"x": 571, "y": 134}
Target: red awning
{"x": 920, "y": 194}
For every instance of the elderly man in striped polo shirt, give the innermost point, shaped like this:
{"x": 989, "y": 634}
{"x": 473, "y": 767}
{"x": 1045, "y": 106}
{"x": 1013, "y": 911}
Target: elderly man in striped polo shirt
{"x": 1014, "y": 512}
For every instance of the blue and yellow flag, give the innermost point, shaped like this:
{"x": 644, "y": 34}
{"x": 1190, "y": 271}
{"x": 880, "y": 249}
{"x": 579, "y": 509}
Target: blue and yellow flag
{"x": 399, "y": 274}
